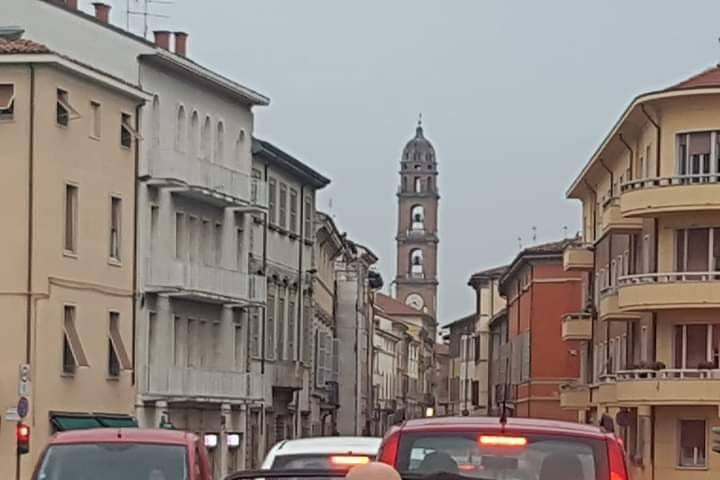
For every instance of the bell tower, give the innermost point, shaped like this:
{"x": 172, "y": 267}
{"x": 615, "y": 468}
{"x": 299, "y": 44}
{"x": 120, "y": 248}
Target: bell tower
{"x": 417, "y": 235}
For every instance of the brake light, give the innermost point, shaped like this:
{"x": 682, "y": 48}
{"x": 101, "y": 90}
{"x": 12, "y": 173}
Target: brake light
{"x": 349, "y": 460}
{"x": 616, "y": 460}
{"x": 466, "y": 467}
{"x": 389, "y": 449}
{"x": 502, "y": 441}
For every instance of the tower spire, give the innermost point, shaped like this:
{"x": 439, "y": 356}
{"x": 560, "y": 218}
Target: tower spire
{"x": 419, "y": 129}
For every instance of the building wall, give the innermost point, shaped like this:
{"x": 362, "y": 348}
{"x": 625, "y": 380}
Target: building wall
{"x": 88, "y": 279}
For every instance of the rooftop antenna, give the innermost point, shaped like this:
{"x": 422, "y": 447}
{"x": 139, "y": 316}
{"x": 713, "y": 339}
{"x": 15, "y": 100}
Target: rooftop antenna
{"x": 534, "y": 230}
{"x": 519, "y": 239}
{"x": 145, "y": 13}
{"x": 565, "y": 230}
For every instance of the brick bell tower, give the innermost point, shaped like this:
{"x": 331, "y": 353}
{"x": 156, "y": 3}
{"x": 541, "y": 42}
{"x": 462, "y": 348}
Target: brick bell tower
{"x": 417, "y": 235}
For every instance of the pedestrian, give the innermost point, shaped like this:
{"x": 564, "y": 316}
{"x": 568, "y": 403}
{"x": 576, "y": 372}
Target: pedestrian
{"x": 373, "y": 471}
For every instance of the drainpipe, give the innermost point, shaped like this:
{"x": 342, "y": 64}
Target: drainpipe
{"x": 136, "y": 212}
{"x": 31, "y": 208}
{"x": 266, "y": 216}
{"x": 632, "y": 154}
{"x": 658, "y": 139}
{"x": 530, "y": 355}
{"x": 592, "y": 292}
{"x": 299, "y": 325}
{"x": 594, "y": 209}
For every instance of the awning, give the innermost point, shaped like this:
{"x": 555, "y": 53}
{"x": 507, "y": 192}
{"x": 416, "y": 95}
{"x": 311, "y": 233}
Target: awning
{"x": 64, "y": 423}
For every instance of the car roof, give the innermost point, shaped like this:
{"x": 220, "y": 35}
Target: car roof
{"x": 122, "y": 435}
{"x": 349, "y": 445}
{"x": 514, "y": 424}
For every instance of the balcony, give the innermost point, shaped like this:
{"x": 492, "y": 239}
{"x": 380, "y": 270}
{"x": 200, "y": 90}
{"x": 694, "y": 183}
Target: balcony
{"x": 664, "y": 291}
{"x": 202, "y": 282}
{"x": 578, "y": 258}
{"x": 609, "y": 307}
{"x": 287, "y": 374}
{"x": 656, "y": 196}
{"x": 182, "y": 383}
{"x": 209, "y": 182}
{"x": 667, "y": 387}
{"x": 612, "y": 219}
{"x": 577, "y": 326}
{"x": 575, "y": 396}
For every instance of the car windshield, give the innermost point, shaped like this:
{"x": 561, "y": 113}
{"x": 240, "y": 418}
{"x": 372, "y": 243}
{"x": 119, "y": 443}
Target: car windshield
{"x": 114, "y": 461}
{"x": 530, "y": 457}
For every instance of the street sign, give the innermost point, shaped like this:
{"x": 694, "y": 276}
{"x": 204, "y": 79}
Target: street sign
{"x": 22, "y": 407}
{"x": 24, "y": 380}
{"x": 11, "y": 415}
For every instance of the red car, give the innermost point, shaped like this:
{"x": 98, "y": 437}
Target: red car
{"x": 503, "y": 449}
{"x": 123, "y": 454}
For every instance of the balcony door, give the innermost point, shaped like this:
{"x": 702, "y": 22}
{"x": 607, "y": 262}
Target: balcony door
{"x": 697, "y": 250}
{"x": 696, "y": 344}
{"x": 698, "y": 156}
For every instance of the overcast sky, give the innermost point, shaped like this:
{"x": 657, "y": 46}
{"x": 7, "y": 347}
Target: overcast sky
{"x": 515, "y": 95}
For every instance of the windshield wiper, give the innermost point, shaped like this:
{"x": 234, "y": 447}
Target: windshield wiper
{"x": 440, "y": 476}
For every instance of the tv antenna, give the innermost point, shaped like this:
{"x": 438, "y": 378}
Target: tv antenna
{"x": 565, "y": 232}
{"x": 145, "y": 13}
{"x": 519, "y": 239}
{"x": 534, "y": 230}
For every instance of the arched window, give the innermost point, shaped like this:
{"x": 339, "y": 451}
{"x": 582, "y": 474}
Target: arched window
{"x": 430, "y": 184}
{"x": 417, "y": 217}
{"x": 180, "y": 129}
{"x": 429, "y": 156}
{"x": 418, "y": 184}
{"x": 205, "y": 150}
{"x": 220, "y": 143}
{"x": 194, "y": 133}
{"x": 156, "y": 124}
{"x": 416, "y": 263}
{"x": 240, "y": 149}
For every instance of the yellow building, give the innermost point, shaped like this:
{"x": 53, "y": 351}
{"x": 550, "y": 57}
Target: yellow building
{"x": 651, "y": 223}
{"x": 66, "y": 284}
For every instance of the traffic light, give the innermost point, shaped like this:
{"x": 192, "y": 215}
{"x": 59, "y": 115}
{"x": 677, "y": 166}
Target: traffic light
{"x": 716, "y": 439}
{"x": 22, "y": 433}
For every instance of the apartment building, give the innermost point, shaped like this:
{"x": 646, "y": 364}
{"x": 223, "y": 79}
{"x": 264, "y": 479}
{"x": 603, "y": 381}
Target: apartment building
{"x": 329, "y": 246}
{"x": 650, "y": 226}
{"x": 499, "y": 366}
{"x": 68, "y": 136}
{"x": 388, "y": 335}
{"x": 442, "y": 379}
{"x": 539, "y": 293}
{"x": 356, "y": 284}
{"x": 282, "y": 244}
{"x": 461, "y": 355}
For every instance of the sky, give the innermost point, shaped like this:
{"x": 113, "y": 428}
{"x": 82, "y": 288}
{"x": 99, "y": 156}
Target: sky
{"x": 515, "y": 96}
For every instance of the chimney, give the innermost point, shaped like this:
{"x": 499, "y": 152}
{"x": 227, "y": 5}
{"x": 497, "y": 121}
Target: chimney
{"x": 71, "y": 4}
{"x": 181, "y": 43}
{"x": 102, "y": 11}
{"x": 162, "y": 39}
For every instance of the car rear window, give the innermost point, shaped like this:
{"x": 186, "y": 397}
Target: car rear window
{"x": 114, "y": 461}
{"x": 492, "y": 456}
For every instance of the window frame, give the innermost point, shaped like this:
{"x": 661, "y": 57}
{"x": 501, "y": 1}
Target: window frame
{"x": 679, "y": 464}
{"x": 127, "y": 131}
{"x": 115, "y": 254}
{"x": 71, "y": 338}
{"x": 282, "y": 206}
{"x": 272, "y": 201}
{"x": 7, "y": 112}
{"x": 73, "y": 249}
{"x": 95, "y": 120}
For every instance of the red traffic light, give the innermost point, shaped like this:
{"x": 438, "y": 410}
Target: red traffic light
{"x": 22, "y": 433}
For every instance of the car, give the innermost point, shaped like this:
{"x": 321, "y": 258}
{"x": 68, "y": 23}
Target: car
{"x": 322, "y": 453}
{"x": 122, "y": 454}
{"x": 492, "y": 448}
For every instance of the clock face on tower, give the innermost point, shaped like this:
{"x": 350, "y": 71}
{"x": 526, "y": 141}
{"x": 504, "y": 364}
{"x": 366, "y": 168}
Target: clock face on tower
{"x": 415, "y": 301}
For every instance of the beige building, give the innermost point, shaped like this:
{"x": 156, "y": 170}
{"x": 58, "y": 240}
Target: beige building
{"x": 650, "y": 204}
{"x": 68, "y": 190}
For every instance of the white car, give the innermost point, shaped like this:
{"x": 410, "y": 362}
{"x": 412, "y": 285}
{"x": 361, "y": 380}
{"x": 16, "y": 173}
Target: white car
{"x": 324, "y": 453}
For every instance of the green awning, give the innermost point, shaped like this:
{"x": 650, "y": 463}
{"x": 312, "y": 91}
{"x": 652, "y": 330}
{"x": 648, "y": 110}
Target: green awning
{"x": 118, "y": 422}
{"x": 64, "y": 423}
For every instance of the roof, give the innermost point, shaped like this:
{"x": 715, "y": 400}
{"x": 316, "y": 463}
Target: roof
{"x": 466, "y": 318}
{"x": 513, "y": 423}
{"x": 499, "y": 315}
{"x": 392, "y": 306}
{"x": 546, "y": 250}
{"x": 21, "y": 46}
{"x": 286, "y": 161}
{"x": 489, "y": 274}
{"x": 707, "y": 79}
{"x": 122, "y": 435}
{"x": 339, "y": 445}
{"x": 419, "y": 143}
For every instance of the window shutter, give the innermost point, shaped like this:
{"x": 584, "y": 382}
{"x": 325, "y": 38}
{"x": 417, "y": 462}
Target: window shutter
{"x": 328, "y": 359}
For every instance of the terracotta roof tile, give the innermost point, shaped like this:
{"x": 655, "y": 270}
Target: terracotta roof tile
{"x": 707, "y": 78}
{"x": 22, "y": 46}
{"x": 467, "y": 318}
{"x": 392, "y": 306}
{"x": 489, "y": 273}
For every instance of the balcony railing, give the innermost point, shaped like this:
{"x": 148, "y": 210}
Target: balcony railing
{"x": 197, "y": 279}
{"x": 181, "y": 382}
{"x": 578, "y": 258}
{"x": 669, "y": 290}
{"x": 665, "y": 387}
{"x": 576, "y": 326}
{"x": 679, "y": 193}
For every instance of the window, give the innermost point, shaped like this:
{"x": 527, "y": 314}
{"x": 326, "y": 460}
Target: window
{"x": 71, "y": 218}
{"x": 291, "y": 354}
{"x": 696, "y": 346}
{"x": 272, "y": 201}
{"x": 220, "y": 143}
{"x": 180, "y": 235}
{"x": 181, "y": 129}
{"x": 416, "y": 263}
{"x": 218, "y": 243}
{"x": 205, "y": 149}
{"x": 240, "y": 149}
{"x": 697, "y": 250}
{"x": 115, "y": 227}
{"x": 238, "y": 347}
{"x": 270, "y": 327}
{"x": 255, "y": 185}
{"x": 698, "y": 156}
{"x": 417, "y": 218}
{"x": 95, "y": 120}
{"x": 194, "y": 133}
{"x": 127, "y": 131}
{"x": 113, "y": 360}
{"x": 193, "y": 343}
{"x": 7, "y": 101}
{"x": 255, "y": 327}
{"x": 429, "y": 184}
{"x": 239, "y": 257}
{"x": 418, "y": 184}
{"x": 308, "y": 227}
{"x": 64, "y": 111}
{"x": 73, "y": 354}
{"x": 283, "y": 206}
{"x": 180, "y": 341}
{"x": 692, "y": 443}
{"x": 293, "y": 210}
{"x": 281, "y": 326}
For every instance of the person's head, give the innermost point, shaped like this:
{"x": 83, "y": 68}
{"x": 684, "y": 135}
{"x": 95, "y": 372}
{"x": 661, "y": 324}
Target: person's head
{"x": 373, "y": 471}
